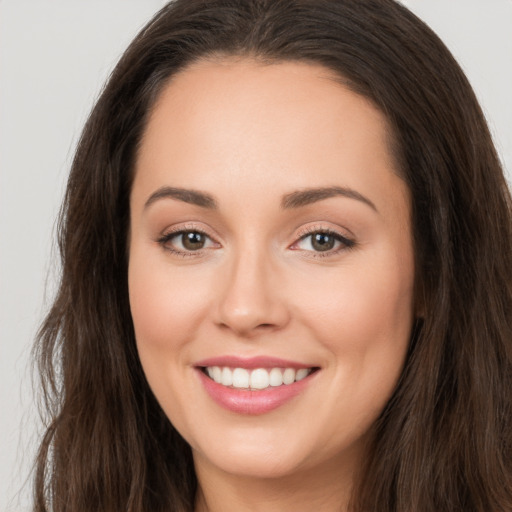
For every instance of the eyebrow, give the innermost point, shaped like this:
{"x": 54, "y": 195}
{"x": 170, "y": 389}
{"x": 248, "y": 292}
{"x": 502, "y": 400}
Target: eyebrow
{"x": 292, "y": 200}
{"x": 195, "y": 197}
{"x": 312, "y": 195}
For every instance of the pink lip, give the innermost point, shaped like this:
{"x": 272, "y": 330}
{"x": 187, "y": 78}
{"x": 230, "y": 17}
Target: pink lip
{"x": 246, "y": 401}
{"x": 251, "y": 363}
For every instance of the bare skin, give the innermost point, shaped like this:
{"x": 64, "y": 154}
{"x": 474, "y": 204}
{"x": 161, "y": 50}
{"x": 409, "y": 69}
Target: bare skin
{"x": 229, "y": 257}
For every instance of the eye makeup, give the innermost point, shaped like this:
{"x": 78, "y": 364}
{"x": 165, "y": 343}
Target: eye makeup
{"x": 191, "y": 241}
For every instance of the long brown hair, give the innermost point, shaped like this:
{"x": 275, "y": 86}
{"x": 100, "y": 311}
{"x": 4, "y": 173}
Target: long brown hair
{"x": 444, "y": 441}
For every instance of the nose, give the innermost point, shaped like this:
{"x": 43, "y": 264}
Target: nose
{"x": 252, "y": 300}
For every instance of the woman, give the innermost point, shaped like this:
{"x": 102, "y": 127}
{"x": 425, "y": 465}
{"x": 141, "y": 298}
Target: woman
{"x": 286, "y": 273}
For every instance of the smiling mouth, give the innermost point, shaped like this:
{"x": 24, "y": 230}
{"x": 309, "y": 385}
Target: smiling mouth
{"x": 256, "y": 379}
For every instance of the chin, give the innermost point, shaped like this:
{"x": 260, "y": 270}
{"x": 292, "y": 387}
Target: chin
{"x": 255, "y": 463}
{"x": 270, "y": 454}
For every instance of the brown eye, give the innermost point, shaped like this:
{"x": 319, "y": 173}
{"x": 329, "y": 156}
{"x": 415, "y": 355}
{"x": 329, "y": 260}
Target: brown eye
{"x": 192, "y": 240}
{"x": 186, "y": 242}
{"x": 322, "y": 241}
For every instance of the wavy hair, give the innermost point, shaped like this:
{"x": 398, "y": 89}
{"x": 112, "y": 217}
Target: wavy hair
{"x": 444, "y": 440}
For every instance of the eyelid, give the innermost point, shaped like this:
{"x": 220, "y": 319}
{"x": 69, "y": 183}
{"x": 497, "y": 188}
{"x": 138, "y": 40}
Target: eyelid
{"x": 346, "y": 242}
{"x": 323, "y": 228}
{"x": 189, "y": 226}
{"x": 174, "y": 231}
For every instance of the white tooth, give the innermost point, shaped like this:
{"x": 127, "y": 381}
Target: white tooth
{"x": 276, "y": 377}
{"x": 209, "y": 371}
{"x": 259, "y": 379}
{"x": 240, "y": 378}
{"x": 227, "y": 377}
{"x": 288, "y": 376}
{"x": 217, "y": 374}
{"x": 302, "y": 374}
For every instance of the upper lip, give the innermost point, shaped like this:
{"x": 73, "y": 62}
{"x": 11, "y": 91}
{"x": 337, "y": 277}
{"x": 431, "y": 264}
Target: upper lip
{"x": 251, "y": 362}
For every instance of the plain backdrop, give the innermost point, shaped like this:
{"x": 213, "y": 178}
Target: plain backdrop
{"x": 54, "y": 58}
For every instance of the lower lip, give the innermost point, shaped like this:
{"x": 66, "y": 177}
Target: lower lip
{"x": 247, "y": 401}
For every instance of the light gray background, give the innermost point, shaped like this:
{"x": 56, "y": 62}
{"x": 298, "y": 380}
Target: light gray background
{"x": 54, "y": 57}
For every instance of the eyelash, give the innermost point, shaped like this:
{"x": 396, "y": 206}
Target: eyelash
{"x": 167, "y": 237}
{"x": 345, "y": 243}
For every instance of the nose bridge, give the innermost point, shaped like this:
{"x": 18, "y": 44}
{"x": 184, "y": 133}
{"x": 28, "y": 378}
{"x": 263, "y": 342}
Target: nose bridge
{"x": 250, "y": 299}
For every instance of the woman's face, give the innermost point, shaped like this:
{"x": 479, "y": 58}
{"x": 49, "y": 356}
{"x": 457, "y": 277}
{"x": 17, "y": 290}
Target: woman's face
{"x": 271, "y": 265}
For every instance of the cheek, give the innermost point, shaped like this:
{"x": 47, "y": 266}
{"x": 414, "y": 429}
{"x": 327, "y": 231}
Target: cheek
{"x": 166, "y": 307}
{"x": 363, "y": 315}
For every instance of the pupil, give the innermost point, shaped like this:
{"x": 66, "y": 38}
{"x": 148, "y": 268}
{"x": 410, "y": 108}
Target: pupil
{"x": 323, "y": 242}
{"x": 193, "y": 241}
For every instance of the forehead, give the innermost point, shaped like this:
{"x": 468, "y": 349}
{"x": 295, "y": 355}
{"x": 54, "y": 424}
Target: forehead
{"x": 287, "y": 123}
{"x": 239, "y": 88}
